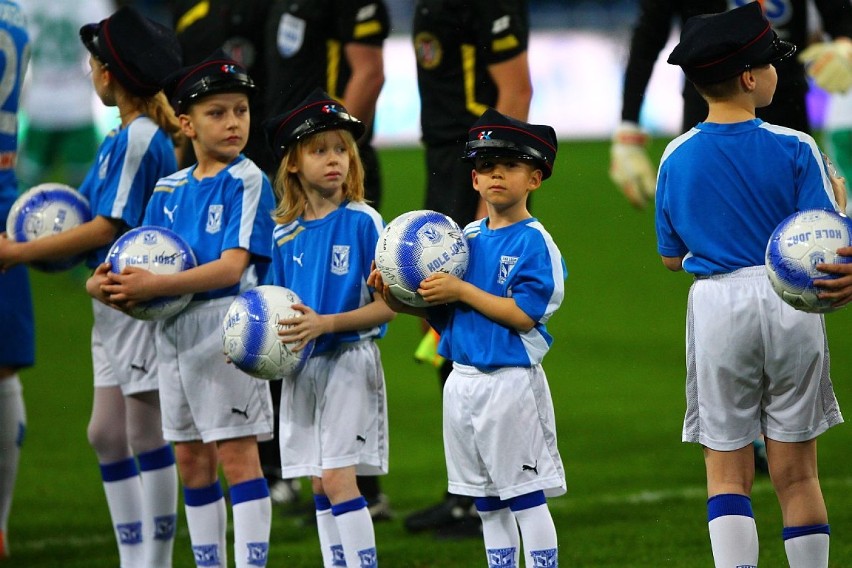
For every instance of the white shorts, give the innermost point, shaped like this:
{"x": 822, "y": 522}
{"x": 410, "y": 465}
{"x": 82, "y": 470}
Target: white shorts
{"x": 333, "y": 414}
{"x": 500, "y": 433}
{"x": 754, "y": 365}
{"x": 123, "y": 351}
{"x": 201, "y": 395}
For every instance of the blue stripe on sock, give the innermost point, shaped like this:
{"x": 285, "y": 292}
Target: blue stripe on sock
{"x": 157, "y": 459}
{"x": 250, "y": 490}
{"x": 728, "y": 504}
{"x": 793, "y": 532}
{"x": 349, "y": 506}
{"x": 119, "y": 470}
{"x": 203, "y": 495}
{"x": 527, "y": 501}
{"x": 321, "y": 502}
{"x": 490, "y": 503}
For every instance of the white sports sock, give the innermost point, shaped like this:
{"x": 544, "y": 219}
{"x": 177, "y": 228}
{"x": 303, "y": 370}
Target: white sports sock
{"x": 252, "y": 522}
{"x": 733, "y": 539}
{"x": 356, "y": 533}
{"x": 13, "y": 421}
{"x": 501, "y": 536}
{"x": 538, "y": 534}
{"x": 123, "y": 489}
{"x": 207, "y": 519}
{"x": 159, "y": 493}
{"x": 807, "y": 547}
{"x": 329, "y": 536}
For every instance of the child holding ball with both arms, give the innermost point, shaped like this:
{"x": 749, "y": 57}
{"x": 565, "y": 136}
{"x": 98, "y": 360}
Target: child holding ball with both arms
{"x": 755, "y": 365}
{"x": 213, "y": 412}
{"x": 130, "y": 57}
{"x": 334, "y": 412}
{"x": 499, "y": 423}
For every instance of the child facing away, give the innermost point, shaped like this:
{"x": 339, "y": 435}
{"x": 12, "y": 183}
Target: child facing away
{"x": 213, "y": 412}
{"x": 130, "y": 58}
{"x": 754, "y": 364}
{"x": 499, "y": 423}
{"x": 333, "y": 413}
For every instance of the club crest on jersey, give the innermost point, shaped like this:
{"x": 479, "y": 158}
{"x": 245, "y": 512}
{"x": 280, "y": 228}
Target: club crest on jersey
{"x": 427, "y": 50}
{"x": 214, "y": 219}
{"x": 340, "y": 259}
{"x": 291, "y": 35}
{"x": 485, "y": 134}
{"x": 206, "y": 555}
{"x": 501, "y": 557}
{"x": 129, "y": 533}
{"x": 257, "y": 553}
{"x": 544, "y": 558}
{"x": 507, "y": 263}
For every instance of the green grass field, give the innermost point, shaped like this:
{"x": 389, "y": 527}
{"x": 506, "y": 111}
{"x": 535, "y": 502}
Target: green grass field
{"x": 636, "y": 493}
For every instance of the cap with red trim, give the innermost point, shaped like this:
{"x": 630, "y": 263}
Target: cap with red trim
{"x": 495, "y": 135}
{"x": 139, "y": 52}
{"x": 715, "y": 47}
{"x": 216, "y": 74}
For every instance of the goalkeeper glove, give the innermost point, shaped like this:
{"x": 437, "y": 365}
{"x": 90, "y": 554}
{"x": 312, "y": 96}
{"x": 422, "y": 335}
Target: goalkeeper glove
{"x": 829, "y": 64}
{"x": 629, "y": 166}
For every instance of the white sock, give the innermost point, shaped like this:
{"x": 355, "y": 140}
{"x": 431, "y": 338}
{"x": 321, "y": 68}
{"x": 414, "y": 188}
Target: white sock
{"x": 356, "y": 533}
{"x": 123, "y": 489}
{"x": 807, "y": 547}
{"x": 13, "y": 421}
{"x": 499, "y": 531}
{"x": 159, "y": 492}
{"x": 329, "y": 536}
{"x": 207, "y": 519}
{"x": 538, "y": 534}
{"x": 733, "y": 533}
{"x": 252, "y": 522}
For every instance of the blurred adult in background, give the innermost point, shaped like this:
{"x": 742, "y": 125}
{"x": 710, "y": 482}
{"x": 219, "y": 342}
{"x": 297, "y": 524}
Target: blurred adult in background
{"x": 17, "y": 350}
{"x": 61, "y": 138}
{"x": 336, "y": 45}
{"x": 471, "y": 55}
{"x": 630, "y": 166}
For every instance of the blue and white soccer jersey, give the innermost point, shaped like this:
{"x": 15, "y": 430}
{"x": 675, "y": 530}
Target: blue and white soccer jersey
{"x": 497, "y": 382}
{"x": 333, "y": 414}
{"x": 754, "y": 364}
{"x": 128, "y": 164}
{"x": 203, "y": 397}
{"x": 18, "y": 346}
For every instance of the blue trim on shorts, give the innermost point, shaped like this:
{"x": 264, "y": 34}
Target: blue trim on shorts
{"x": 322, "y": 502}
{"x": 251, "y": 490}
{"x": 486, "y": 504}
{"x": 203, "y": 495}
{"x": 355, "y": 504}
{"x": 527, "y": 501}
{"x": 120, "y": 470}
{"x": 795, "y": 532}
{"x": 728, "y": 504}
{"x": 157, "y": 459}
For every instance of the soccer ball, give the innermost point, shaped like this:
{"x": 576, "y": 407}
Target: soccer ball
{"x": 415, "y": 245}
{"x": 797, "y": 245}
{"x": 47, "y": 209}
{"x": 158, "y": 250}
{"x": 250, "y": 333}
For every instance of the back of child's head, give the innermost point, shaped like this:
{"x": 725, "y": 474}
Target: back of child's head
{"x": 305, "y": 126}
{"x": 495, "y": 135}
{"x": 217, "y": 74}
{"x": 714, "y": 48}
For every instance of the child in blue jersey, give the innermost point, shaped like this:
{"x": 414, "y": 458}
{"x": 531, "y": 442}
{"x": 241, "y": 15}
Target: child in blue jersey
{"x": 17, "y": 350}
{"x": 213, "y": 412}
{"x": 333, "y": 413}
{"x": 499, "y": 425}
{"x": 754, "y": 364}
{"x": 130, "y": 56}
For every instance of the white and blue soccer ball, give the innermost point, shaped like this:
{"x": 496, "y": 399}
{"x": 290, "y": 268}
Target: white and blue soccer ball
{"x": 797, "y": 245}
{"x": 250, "y": 333}
{"x": 415, "y": 245}
{"x": 48, "y": 209}
{"x": 158, "y": 250}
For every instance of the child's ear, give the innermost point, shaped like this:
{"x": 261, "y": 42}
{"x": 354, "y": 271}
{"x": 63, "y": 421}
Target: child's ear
{"x": 536, "y": 177}
{"x": 186, "y": 126}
